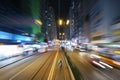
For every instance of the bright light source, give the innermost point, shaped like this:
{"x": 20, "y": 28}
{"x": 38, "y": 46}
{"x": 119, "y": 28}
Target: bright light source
{"x": 10, "y": 50}
{"x": 18, "y": 40}
{"x": 99, "y": 64}
{"x": 60, "y": 22}
{"x": 25, "y": 34}
{"x": 118, "y": 63}
{"x": 68, "y": 22}
{"x": 59, "y": 33}
{"x": 63, "y": 33}
{"x": 106, "y": 64}
{"x": 38, "y": 22}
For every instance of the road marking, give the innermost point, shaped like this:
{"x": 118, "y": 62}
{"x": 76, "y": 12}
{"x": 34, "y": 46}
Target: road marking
{"x": 53, "y": 67}
{"x": 23, "y": 70}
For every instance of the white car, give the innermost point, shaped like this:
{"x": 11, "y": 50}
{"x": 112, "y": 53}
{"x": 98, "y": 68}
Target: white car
{"x": 43, "y": 44}
{"x": 82, "y": 49}
{"x": 41, "y": 47}
{"x": 28, "y": 51}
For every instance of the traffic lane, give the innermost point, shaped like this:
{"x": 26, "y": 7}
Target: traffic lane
{"x": 33, "y": 70}
{"x": 7, "y": 72}
{"x": 61, "y": 71}
{"x": 67, "y": 74}
{"x": 113, "y": 72}
{"x": 86, "y": 69}
{"x": 11, "y": 60}
{"x": 58, "y": 71}
{"x": 106, "y": 58}
{"x": 44, "y": 70}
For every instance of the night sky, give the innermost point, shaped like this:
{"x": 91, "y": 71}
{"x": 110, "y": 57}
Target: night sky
{"x": 18, "y": 15}
{"x": 61, "y": 7}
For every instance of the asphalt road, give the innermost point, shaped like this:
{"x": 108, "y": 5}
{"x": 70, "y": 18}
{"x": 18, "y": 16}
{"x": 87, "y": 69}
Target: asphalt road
{"x": 62, "y": 72}
{"x": 90, "y": 72}
{"x": 29, "y": 68}
{"x": 43, "y": 66}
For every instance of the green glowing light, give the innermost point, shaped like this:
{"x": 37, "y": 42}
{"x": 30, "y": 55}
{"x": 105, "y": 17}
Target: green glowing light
{"x": 35, "y": 11}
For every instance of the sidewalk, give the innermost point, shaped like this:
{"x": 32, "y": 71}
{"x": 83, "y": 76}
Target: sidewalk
{"x": 9, "y": 61}
{"x": 6, "y": 62}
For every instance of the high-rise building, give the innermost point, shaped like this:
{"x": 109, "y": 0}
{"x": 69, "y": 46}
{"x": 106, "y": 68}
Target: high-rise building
{"x": 79, "y": 25}
{"x": 95, "y": 20}
{"x": 75, "y": 19}
{"x": 112, "y": 20}
{"x": 50, "y": 24}
{"x": 104, "y": 21}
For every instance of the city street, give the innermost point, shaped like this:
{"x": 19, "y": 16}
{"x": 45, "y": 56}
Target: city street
{"x": 44, "y": 66}
{"x": 59, "y": 40}
{"x": 90, "y": 72}
{"x": 29, "y": 65}
{"x": 63, "y": 72}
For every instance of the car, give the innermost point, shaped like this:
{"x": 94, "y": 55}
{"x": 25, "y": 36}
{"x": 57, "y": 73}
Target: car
{"x": 98, "y": 62}
{"x": 43, "y": 44}
{"x": 40, "y": 48}
{"x": 28, "y": 51}
{"x": 82, "y": 49}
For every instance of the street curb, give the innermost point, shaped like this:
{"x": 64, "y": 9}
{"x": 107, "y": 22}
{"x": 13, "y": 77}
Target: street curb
{"x": 71, "y": 73}
{"x": 73, "y": 78}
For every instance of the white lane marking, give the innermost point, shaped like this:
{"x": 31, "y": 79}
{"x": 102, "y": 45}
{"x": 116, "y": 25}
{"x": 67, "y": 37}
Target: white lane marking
{"x": 23, "y": 70}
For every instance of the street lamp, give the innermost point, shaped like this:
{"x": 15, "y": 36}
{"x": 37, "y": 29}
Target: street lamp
{"x": 67, "y": 22}
{"x": 63, "y": 34}
{"x": 59, "y": 33}
{"x": 60, "y": 22}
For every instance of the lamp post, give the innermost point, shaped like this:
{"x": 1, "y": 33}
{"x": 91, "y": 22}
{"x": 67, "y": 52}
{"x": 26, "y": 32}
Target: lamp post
{"x": 66, "y": 30}
{"x": 68, "y": 22}
{"x": 61, "y": 24}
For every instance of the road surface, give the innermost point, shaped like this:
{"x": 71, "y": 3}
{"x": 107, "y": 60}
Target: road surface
{"x": 90, "y": 72}
{"x": 43, "y": 66}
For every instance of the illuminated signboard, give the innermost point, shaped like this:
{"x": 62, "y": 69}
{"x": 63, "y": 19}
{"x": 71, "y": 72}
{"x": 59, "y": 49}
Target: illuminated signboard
{"x": 22, "y": 38}
{"x": 5, "y": 35}
{"x": 10, "y": 36}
